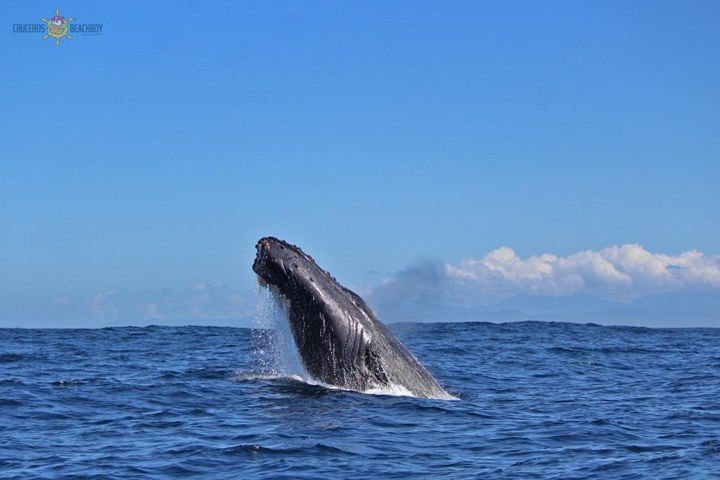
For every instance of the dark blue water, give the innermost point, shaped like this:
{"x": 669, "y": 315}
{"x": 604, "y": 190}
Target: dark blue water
{"x": 536, "y": 400}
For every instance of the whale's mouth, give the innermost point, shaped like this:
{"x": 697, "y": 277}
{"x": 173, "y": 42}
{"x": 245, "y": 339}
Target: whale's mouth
{"x": 262, "y": 264}
{"x": 280, "y": 264}
{"x": 261, "y": 259}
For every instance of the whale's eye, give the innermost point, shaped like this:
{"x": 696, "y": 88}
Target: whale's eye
{"x": 295, "y": 265}
{"x": 282, "y": 247}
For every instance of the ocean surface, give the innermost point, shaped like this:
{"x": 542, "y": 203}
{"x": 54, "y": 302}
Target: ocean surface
{"x": 534, "y": 400}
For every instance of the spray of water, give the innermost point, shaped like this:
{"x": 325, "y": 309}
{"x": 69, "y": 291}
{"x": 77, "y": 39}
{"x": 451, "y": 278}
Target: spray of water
{"x": 273, "y": 346}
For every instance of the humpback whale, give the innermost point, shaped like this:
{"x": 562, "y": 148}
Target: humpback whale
{"x": 339, "y": 339}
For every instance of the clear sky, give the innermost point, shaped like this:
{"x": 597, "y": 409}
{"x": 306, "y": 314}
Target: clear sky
{"x": 151, "y": 158}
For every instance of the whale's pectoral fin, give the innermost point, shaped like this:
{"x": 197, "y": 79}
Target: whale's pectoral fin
{"x": 374, "y": 366}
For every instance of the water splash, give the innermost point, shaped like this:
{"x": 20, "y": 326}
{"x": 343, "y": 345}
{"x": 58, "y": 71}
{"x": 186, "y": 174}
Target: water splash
{"x": 274, "y": 349}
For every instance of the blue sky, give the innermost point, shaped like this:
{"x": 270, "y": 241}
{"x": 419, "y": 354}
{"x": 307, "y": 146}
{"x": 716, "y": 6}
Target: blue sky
{"x": 151, "y": 158}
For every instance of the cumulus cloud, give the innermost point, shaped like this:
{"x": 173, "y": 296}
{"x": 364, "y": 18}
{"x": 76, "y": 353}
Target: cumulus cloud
{"x": 621, "y": 273}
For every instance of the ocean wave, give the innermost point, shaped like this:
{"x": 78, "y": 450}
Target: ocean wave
{"x": 537, "y": 400}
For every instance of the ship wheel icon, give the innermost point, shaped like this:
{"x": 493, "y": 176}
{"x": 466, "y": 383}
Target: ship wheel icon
{"x": 58, "y": 27}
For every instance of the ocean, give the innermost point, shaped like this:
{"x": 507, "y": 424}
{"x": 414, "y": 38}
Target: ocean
{"x": 533, "y": 400}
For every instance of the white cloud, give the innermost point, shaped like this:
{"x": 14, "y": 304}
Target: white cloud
{"x": 622, "y": 273}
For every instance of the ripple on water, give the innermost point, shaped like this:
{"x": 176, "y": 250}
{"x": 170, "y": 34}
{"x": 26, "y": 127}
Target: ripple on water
{"x": 536, "y": 400}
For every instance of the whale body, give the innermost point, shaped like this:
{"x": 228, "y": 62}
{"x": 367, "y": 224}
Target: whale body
{"x": 339, "y": 339}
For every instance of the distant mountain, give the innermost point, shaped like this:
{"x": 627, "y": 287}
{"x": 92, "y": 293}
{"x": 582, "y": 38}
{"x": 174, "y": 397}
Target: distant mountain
{"x": 569, "y": 304}
{"x": 686, "y": 309}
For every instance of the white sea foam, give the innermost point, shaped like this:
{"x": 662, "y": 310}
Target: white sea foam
{"x": 249, "y": 376}
{"x": 391, "y": 390}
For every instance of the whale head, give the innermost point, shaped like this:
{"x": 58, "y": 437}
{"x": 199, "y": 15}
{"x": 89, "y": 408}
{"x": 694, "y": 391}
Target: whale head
{"x": 283, "y": 265}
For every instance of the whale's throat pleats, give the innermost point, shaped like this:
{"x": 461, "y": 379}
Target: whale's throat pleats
{"x": 375, "y": 367}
